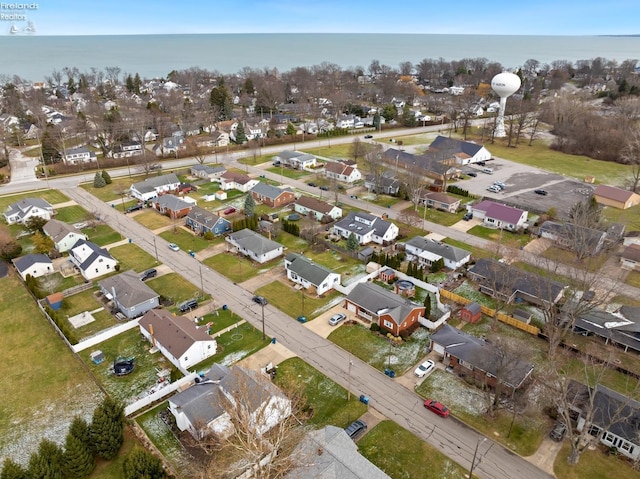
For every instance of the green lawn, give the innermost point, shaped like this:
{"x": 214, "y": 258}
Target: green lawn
{"x": 402, "y": 454}
{"x": 500, "y": 236}
{"x": 112, "y": 192}
{"x": 234, "y": 266}
{"x": 102, "y": 234}
{"x": 593, "y": 465}
{"x": 629, "y": 217}
{"x": 633, "y": 279}
{"x": 221, "y": 319}
{"x": 440, "y": 217}
{"x": 131, "y": 256}
{"x": 55, "y": 282}
{"x": 72, "y": 214}
{"x": 326, "y": 399}
{"x": 174, "y": 286}
{"x": 186, "y": 240}
{"x": 288, "y": 172}
{"x": 377, "y": 351}
{"x": 153, "y": 220}
{"x": 329, "y": 151}
{"x": 52, "y": 196}
{"x": 291, "y": 302}
{"x": 43, "y": 385}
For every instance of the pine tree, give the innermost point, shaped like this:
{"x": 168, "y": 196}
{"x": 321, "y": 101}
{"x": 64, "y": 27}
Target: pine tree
{"x": 249, "y": 206}
{"x": 12, "y": 470}
{"x": 98, "y": 181}
{"x": 427, "y": 306}
{"x": 352, "y": 242}
{"x": 221, "y": 101}
{"x": 141, "y": 464}
{"x": 78, "y": 461}
{"x": 47, "y": 462}
{"x": 107, "y": 427}
{"x": 291, "y": 129}
{"x": 129, "y": 84}
{"x": 410, "y": 270}
{"x": 80, "y": 429}
{"x": 106, "y": 177}
{"x": 241, "y": 136}
{"x": 137, "y": 82}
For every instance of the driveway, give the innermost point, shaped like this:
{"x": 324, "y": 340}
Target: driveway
{"x": 23, "y": 168}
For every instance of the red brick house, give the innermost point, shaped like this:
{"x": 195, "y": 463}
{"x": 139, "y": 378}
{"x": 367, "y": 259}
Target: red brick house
{"x": 272, "y": 196}
{"x": 391, "y": 312}
{"x": 172, "y": 206}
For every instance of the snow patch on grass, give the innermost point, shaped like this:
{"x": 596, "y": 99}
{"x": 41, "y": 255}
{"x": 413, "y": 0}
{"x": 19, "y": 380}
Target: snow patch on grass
{"x": 457, "y": 395}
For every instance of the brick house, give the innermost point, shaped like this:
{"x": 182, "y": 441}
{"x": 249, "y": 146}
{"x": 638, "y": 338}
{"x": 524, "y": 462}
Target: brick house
{"x": 272, "y": 196}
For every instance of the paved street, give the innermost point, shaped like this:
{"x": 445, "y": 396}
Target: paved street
{"x": 393, "y": 400}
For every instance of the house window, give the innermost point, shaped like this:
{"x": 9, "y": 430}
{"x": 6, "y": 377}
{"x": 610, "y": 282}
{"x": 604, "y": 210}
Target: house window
{"x": 609, "y": 437}
{"x": 594, "y": 431}
{"x": 465, "y": 364}
{"x": 186, "y": 358}
{"x": 627, "y": 447}
{"x": 387, "y": 324}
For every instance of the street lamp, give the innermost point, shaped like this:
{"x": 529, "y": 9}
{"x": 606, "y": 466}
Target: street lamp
{"x": 475, "y": 453}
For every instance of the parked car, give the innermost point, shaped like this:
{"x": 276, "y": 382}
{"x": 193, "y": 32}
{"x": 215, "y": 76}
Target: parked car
{"x": 500, "y": 184}
{"x": 277, "y": 163}
{"x": 228, "y": 211}
{"x": 473, "y": 174}
{"x": 481, "y": 163}
{"x": 336, "y": 318}
{"x": 133, "y": 208}
{"x": 494, "y": 189}
{"x": 261, "y": 300}
{"x": 324, "y": 188}
{"x": 437, "y": 408}
{"x": 425, "y": 368}
{"x": 467, "y": 216}
{"x": 150, "y": 273}
{"x": 558, "y": 431}
{"x": 312, "y": 184}
{"x": 368, "y": 137}
{"x": 356, "y": 428}
{"x": 174, "y": 247}
{"x": 188, "y": 305}
{"x": 540, "y": 192}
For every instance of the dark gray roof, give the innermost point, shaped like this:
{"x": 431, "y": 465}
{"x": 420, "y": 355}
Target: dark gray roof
{"x": 473, "y": 308}
{"x": 621, "y": 328}
{"x": 269, "y": 191}
{"x": 205, "y": 217}
{"x": 255, "y": 242}
{"x": 23, "y": 206}
{"x": 58, "y": 230}
{"x": 150, "y": 184}
{"x": 129, "y": 290}
{"x": 172, "y": 202}
{"x": 210, "y": 170}
{"x": 307, "y": 269}
{"x": 449, "y": 252}
{"x": 362, "y": 223}
{"x": 451, "y": 145}
{"x": 96, "y": 252}
{"x": 482, "y": 355}
{"x": 25, "y": 262}
{"x": 175, "y": 333}
{"x": 378, "y": 300}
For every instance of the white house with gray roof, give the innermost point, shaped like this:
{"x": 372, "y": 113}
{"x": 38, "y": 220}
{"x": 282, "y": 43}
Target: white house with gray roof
{"x": 306, "y": 205}
{"x": 427, "y": 251}
{"x": 23, "y": 210}
{"x": 129, "y": 294}
{"x": 33, "y": 264}
{"x": 296, "y": 159}
{"x": 255, "y": 246}
{"x": 63, "y": 235}
{"x": 367, "y": 228}
{"x": 310, "y": 275}
{"x": 207, "y": 172}
{"x": 154, "y": 186}
{"x": 91, "y": 260}
{"x": 79, "y": 155}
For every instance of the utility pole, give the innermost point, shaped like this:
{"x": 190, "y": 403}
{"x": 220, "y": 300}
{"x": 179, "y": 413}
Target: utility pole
{"x": 202, "y": 282}
{"x": 263, "y": 335}
{"x": 349, "y": 388}
{"x": 155, "y": 247}
{"x": 475, "y": 453}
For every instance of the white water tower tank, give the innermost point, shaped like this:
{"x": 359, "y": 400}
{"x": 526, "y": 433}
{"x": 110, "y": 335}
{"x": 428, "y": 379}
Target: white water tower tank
{"x": 504, "y": 84}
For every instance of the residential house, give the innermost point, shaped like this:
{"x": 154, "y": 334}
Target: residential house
{"x": 306, "y": 205}
{"x": 393, "y": 313}
{"x": 255, "y": 246}
{"x": 465, "y": 152}
{"x": 33, "y": 264}
{"x": 207, "y": 406}
{"x": 574, "y": 237}
{"x": 78, "y": 156}
{"x": 615, "y": 197}
{"x": 631, "y": 237}
{"x": 510, "y": 284}
{"x": 427, "y": 251}
{"x": 386, "y": 184}
{"x": 500, "y": 216}
{"x": 630, "y": 258}
{"x": 154, "y": 186}
{"x": 63, "y": 235}
{"x": 296, "y": 159}
{"x": 170, "y": 146}
{"x": 620, "y": 327}
{"x": 310, "y": 275}
{"x": 435, "y": 164}
{"x": 231, "y": 180}
{"x": 177, "y": 338}
{"x": 91, "y": 260}
{"x": 471, "y": 356}
{"x": 439, "y": 201}
{"x": 367, "y": 228}
{"x": 272, "y": 196}
{"x": 131, "y": 296}
{"x": 611, "y": 417}
{"x": 206, "y": 172}
{"x": 342, "y": 172}
{"x": 330, "y": 453}
{"x": 215, "y": 139}
{"x": 127, "y": 149}
{"x": 202, "y": 221}
{"x": 23, "y": 210}
{"x": 172, "y": 206}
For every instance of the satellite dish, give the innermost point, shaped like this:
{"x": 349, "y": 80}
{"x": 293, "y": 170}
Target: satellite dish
{"x": 504, "y": 84}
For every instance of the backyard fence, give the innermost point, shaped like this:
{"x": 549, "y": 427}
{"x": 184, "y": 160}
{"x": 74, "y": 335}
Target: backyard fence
{"x": 504, "y": 318}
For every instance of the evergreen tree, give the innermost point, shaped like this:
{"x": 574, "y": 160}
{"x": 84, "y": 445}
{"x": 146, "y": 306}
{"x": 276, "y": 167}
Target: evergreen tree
{"x": 80, "y": 429}
{"x": 47, "y": 462}
{"x": 107, "y": 427}
{"x": 106, "y": 177}
{"x": 249, "y": 206}
{"x": 71, "y": 86}
{"x": 50, "y": 151}
{"x": 141, "y": 464}
{"x": 427, "y": 306}
{"x": 352, "y": 242}
{"x": 128, "y": 82}
{"x": 221, "y": 101}
{"x": 376, "y": 120}
{"x": 437, "y": 265}
{"x": 98, "y": 181}
{"x": 408, "y": 118}
{"x": 78, "y": 461}
{"x": 12, "y": 470}
{"x": 248, "y": 87}
{"x": 291, "y": 129}
{"x": 410, "y": 269}
{"x": 137, "y": 82}
{"x": 241, "y": 136}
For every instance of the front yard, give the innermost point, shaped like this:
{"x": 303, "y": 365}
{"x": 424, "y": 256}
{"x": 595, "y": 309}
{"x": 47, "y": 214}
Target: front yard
{"x": 152, "y": 220}
{"x": 185, "y": 239}
{"x": 296, "y": 303}
{"x": 593, "y": 465}
{"x": 102, "y": 234}
{"x": 118, "y": 189}
{"x": 237, "y": 267}
{"x": 72, "y": 214}
{"x": 501, "y": 236}
{"x": 131, "y": 256}
{"x": 52, "y": 196}
{"x": 174, "y": 287}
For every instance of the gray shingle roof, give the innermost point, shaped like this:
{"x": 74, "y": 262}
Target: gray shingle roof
{"x": 269, "y": 191}
{"x": 205, "y": 217}
{"x": 175, "y": 333}
{"x": 307, "y": 269}
{"x": 172, "y": 202}
{"x": 449, "y": 252}
{"x": 451, "y": 145}
{"x": 254, "y": 242}
{"x": 150, "y": 184}
{"x": 58, "y": 230}
{"x": 129, "y": 290}
{"x": 361, "y": 223}
{"x": 26, "y": 261}
{"x": 96, "y": 252}
{"x": 378, "y": 300}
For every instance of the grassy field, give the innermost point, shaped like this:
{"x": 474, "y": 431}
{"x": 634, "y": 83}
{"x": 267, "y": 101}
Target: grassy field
{"x": 152, "y": 220}
{"x": 72, "y": 214}
{"x": 43, "y": 386}
{"x": 288, "y": 172}
{"x": 235, "y": 267}
{"x": 174, "y": 286}
{"x": 593, "y": 465}
{"x": 375, "y": 350}
{"x": 436, "y": 216}
{"x": 186, "y": 240}
{"x": 291, "y": 302}
{"x": 102, "y": 234}
{"x": 629, "y": 217}
{"x": 131, "y": 256}
{"x": 402, "y": 454}
{"x": 329, "y": 151}
{"x": 500, "y": 236}
{"x": 221, "y": 319}
{"x": 112, "y": 192}
{"x": 52, "y": 196}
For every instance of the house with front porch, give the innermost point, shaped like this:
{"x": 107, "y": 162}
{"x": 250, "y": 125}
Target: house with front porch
{"x": 501, "y": 216}
{"x": 309, "y": 275}
{"x": 172, "y": 206}
{"x": 154, "y": 186}
{"x": 255, "y": 246}
{"x": 296, "y": 159}
{"x": 386, "y": 184}
{"x": 426, "y": 251}
{"x": 367, "y": 228}
{"x": 127, "y": 149}
{"x": 393, "y": 313}
{"x": 202, "y": 221}
{"x": 206, "y": 172}
{"x": 272, "y": 196}
{"x": 78, "y": 156}
{"x": 308, "y": 206}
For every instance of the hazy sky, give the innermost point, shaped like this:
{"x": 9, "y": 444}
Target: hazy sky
{"x": 535, "y": 17}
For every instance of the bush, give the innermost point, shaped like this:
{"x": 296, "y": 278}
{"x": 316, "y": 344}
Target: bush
{"x": 375, "y": 327}
{"x": 209, "y": 236}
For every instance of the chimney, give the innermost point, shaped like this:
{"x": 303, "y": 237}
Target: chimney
{"x": 153, "y": 339}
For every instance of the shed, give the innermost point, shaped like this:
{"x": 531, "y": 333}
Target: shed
{"x": 221, "y": 195}
{"x": 472, "y": 313}
{"x": 97, "y": 356}
{"x": 366, "y": 253}
{"x": 55, "y": 301}
{"x": 387, "y": 274}
{"x": 522, "y": 315}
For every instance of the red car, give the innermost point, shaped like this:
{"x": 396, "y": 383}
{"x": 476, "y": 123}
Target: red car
{"x": 436, "y": 407}
{"x": 228, "y": 211}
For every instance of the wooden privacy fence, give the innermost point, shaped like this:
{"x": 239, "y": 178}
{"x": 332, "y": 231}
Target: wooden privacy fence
{"x": 504, "y": 318}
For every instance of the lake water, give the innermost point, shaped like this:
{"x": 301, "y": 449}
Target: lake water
{"x": 34, "y": 57}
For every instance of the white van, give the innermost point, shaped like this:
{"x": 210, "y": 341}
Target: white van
{"x": 488, "y": 171}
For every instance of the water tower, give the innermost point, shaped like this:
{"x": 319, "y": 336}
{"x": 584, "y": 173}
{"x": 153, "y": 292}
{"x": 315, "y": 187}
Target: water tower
{"x": 504, "y": 84}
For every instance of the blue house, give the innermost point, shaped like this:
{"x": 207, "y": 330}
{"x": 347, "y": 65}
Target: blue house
{"x": 201, "y": 221}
